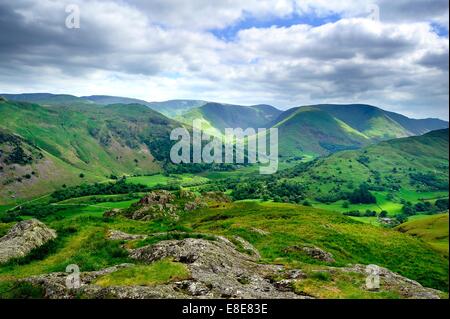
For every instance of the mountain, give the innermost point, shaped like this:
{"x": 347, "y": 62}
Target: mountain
{"x": 417, "y": 163}
{"x": 174, "y": 108}
{"x": 379, "y": 124}
{"x": 47, "y": 99}
{"x": 107, "y": 99}
{"x": 327, "y": 128}
{"x": 71, "y": 140}
{"x": 171, "y": 108}
{"x": 216, "y": 116}
{"x": 312, "y": 131}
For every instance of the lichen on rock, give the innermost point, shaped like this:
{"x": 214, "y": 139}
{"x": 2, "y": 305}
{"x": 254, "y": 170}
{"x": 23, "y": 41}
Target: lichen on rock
{"x": 23, "y": 238}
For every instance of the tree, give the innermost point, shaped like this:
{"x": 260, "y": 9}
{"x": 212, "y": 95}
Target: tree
{"x": 383, "y": 214}
{"x": 362, "y": 195}
{"x": 442, "y": 204}
{"x": 401, "y": 218}
{"x": 408, "y": 209}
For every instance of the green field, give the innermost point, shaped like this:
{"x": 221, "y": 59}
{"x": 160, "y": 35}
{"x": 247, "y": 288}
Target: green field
{"x": 184, "y": 180}
{"x": 393, "y": 207}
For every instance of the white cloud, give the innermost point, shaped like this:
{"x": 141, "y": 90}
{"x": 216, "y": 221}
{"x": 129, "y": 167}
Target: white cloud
{"x": 159, "y": 50}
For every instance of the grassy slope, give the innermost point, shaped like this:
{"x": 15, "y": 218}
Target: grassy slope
{"x": 369, "y": 120}
{"x": 342, "y": 126}
{"x": 97, "y": 141}
{"x": 286, "y": 225}
{"x": 311, "y": 131}
{"x": 216, "y": 117}
{"x": 342, "y": 171}
{"x": 431, "y": 229}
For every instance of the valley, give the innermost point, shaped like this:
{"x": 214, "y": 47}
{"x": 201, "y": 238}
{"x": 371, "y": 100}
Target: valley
{"x": 352, "y": 190}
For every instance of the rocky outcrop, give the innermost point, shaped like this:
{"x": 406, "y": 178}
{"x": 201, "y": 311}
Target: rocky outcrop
{"x": 23, "y": 238}
{"x": 313, "y": 252}
{"x": 165, "y": 204}
{"x": 120, "y": 235}
{"x": 217, "y": 270}
{"x": 407, "y": 288}
{"x": 161, "y": 197}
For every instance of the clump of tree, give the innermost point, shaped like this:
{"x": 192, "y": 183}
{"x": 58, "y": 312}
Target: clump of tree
{"x": 269, "y": 189}
{"x": 428, "y": 179}
{"x": 425, "y": 207}
{"x": 112, "y": 188}
{"x": 357, "y": 213}
{"x": 362, "y": 195}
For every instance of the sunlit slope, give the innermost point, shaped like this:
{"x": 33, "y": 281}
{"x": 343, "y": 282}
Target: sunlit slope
{"x": 218, "y": 116}
{"x": 309, "y": 130}
{"x": 418, "y": 163}
{"x": 431, "y": 229}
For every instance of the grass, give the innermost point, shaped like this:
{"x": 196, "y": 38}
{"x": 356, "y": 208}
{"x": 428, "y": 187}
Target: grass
{"x": 339, "y": 285}
{"x": 387, "y": 165}
{"x": 159, "y": 272}
{"x": 393, "y": 206}
{"x": 185, "y": 180}
{"x": 284, "y": 226}
{"x": 431, "y": 229}
{"x": 87, "y": 247}
{"x": 349, "y": 241}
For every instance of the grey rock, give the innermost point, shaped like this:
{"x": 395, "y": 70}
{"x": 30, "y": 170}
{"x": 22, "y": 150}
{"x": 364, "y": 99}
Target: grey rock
{"x": 219, "y": 266}
{"x": 313, "y": 252}
{"x": 23, "y": 238}
{"x": 409, "y": 289}
{"x": 119, "y": 235}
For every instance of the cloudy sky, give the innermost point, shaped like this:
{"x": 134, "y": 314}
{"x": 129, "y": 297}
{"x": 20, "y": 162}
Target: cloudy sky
{"x": 281, "y": 52}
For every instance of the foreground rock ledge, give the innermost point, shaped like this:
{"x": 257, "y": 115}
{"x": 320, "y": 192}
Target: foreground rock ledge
{"x": 23, "y": 238}
{"x": 217, "y": 270}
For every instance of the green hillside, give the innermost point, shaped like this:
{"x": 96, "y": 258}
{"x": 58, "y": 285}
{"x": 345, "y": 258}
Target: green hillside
{"x": 431, "y": 229}
{"x": 216, "y": 117}
{"x": 373, "y": 122}
{"x": 174, "y": 108}
{"x": 312, "y": 131}
{"x": 96, "y": 142}
{"x": 332, "y": 128}
{"x": 418, "y": 164}
{"x": 48, "y": 99}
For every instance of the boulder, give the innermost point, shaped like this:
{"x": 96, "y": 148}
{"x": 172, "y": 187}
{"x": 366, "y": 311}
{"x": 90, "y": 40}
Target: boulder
{"x": 161, "y": 197}
{"x": 23, "y": 238}
{"x": 120, "y": 235}
{"x": 313, "y": 252}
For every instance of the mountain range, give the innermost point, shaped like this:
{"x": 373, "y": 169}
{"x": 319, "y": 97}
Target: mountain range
{"x": 48, "y": 140}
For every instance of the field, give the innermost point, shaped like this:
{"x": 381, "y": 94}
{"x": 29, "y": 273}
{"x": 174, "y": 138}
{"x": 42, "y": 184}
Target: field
{"x": 185, "y": 180}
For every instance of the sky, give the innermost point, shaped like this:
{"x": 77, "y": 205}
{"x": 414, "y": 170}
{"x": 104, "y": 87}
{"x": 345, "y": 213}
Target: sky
{"x": 287, "y": 53}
